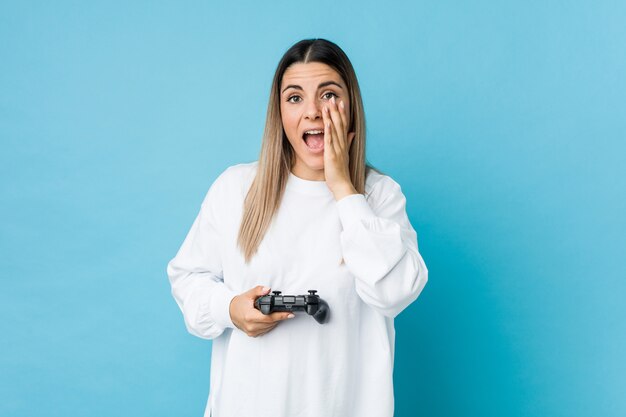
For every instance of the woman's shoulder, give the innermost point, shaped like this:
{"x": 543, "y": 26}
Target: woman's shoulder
{"x": 234, "y": 181}
{"x": 376, "y": 179}
{"x": 239, "y": 173}
{"x": 379, "y": 186}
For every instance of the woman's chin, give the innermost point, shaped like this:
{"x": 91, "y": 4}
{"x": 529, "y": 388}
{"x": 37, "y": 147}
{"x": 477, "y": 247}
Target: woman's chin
{"x": 310, "y": 169}
{"x": 317, "y": 167}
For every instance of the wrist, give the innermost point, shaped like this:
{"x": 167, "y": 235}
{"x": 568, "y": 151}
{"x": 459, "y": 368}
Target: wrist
{"x": 343, "y": 190}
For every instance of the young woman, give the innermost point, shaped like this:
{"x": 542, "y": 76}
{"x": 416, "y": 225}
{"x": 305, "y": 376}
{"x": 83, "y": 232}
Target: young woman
{"x": 308, "y": 215}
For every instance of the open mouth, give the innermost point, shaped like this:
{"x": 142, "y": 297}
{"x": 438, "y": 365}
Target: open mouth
{"x": 314, "y": 139}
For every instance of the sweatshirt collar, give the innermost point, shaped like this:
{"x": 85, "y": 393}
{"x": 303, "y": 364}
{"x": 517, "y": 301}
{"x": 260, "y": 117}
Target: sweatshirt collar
{"x": 307, "y": 186}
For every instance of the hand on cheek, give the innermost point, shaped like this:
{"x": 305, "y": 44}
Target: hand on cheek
{"x": 337, "y": 143}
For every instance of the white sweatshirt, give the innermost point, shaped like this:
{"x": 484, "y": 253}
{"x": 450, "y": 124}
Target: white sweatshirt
{"x": 343, "y": 368}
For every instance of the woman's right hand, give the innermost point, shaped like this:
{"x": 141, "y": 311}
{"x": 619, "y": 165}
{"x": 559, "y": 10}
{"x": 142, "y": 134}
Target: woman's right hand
{"x": 250, "y": 320}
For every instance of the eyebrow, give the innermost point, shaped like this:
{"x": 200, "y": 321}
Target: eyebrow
{"x": 322, "y": 85}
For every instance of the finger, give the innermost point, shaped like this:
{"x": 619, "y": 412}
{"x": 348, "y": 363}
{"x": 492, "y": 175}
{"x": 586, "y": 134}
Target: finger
{"x": 342, "y": 113}
{"x": 328, "y": 140}
{"x": 276, "y": 317}
{"x": 256, "y": 330}
{"x": 255, "y": 316}
{"x": 257, "y": 292}
{"x": 334, "y": 114}
{"x": 330, "y": 126}
{"x": 338, "y": 139}
{"x": 338, "y": 133}
{"x": 263, "y": 327}
{"x": 265, "y": 331}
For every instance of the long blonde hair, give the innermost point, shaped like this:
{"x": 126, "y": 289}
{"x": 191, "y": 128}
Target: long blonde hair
{"x": 277, "y": 156}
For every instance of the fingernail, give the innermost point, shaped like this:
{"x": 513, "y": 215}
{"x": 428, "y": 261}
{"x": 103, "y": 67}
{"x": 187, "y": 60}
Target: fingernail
{"x": 266, "y": 289}
{"x": 332, "y": 99}
{"x": 341, "y": 104}
{"x": 290, "y": 316}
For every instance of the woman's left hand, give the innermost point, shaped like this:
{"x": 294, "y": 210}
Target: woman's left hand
{"x": 337, "y": 141}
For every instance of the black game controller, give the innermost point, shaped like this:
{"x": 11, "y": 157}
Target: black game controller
{"x": 312, "y": 304}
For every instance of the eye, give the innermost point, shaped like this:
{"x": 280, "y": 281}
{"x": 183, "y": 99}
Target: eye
{"x": 292, "y": 97}
{"x": 331, "y": 93}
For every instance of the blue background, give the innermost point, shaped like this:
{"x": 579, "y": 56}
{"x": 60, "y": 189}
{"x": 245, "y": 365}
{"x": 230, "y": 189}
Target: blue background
{"x": 504, "y": 122}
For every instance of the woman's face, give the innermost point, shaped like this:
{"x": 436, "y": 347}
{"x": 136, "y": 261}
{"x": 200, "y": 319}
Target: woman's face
{"x": 304, "y": 91}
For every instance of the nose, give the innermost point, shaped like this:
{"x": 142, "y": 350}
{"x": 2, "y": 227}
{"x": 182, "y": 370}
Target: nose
{"x": 313, "y": 110}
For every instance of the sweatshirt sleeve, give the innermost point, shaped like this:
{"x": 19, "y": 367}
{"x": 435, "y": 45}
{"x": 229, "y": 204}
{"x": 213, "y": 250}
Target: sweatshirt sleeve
{"x": 196, "y": 278}
{"x": 380, "y": 249}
